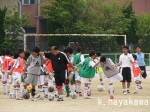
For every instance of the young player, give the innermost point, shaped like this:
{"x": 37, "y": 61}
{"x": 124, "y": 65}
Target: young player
{"x": 33, "y": 67}
{"x": 17, "y": 72}
{"x": 78, "y": 59}
{"x": 125, "y": 61}
{"x": 111, "y": 72}
{"x": 1, "y": 62}
{"x": 137, "y": 74}
{"x": 87, "y": 72}
{"x": 6, "y": 59}
{"x": 100, "y": 70}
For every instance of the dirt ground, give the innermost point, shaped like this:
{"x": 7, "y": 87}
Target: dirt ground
{"x": 99, "y": 101}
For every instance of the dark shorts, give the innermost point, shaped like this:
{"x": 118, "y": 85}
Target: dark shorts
{"x": 126, "y": 73}
{"x": 60, "y": 78}
{"x": 144, "y": 75}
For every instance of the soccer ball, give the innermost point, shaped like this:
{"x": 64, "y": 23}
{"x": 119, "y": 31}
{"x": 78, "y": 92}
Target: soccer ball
{"x": 56, "y": 95}
{"x": 73, "y": 95}
{"x": 50, "y": 97}
{"x": 89, "y": 92}
{"x": 11, "y": 95}
{"x": 51, "y": 89}
{"x": 100, "y": 88}
{"x": 46, "y": 95}
{"x": 29, "y": 88}
{"x": 26, "y": 96}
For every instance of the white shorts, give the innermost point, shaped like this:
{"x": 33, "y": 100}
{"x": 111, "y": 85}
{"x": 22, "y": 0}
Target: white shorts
{"x": 77, "y": 77}
{"x": 16, "y": 78}
{"x": 42, "y": 79}
{"x": 101, "y": 75}
{"x": 86, "y": 80}
{"x": 138, "y": 78}
{"x": 113, "y": 78}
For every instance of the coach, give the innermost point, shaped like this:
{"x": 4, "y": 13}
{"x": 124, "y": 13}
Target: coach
{"x": 59, "y": 63}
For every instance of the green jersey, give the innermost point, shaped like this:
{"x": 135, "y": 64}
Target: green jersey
{"x": 76, "y": 59}
{"x": 86, "y": 70}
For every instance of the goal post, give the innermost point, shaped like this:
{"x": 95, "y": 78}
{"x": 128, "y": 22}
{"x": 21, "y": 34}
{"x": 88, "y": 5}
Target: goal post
{"x": 74, "y": 35}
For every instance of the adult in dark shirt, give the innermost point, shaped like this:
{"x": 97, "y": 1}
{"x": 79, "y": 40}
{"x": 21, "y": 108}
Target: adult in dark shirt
{"x": 59, "y": 63}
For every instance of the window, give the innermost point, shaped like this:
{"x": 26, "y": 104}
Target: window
{"x": 28, "y": 2}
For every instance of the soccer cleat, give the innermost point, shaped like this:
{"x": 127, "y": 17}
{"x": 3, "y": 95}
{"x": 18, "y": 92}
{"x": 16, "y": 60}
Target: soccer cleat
{"x": 124, "y": 92}
{"x": 80, "y": 94}
{"x": 140, "y": 87}
{"x": 87, "y": 97}
{"x": 19, "y": 98}
{"x": 60, "y": 99}
{"x": 111, "y": 97}
{"x": 33, "y": 99}
{"x": 135, "y": 92}
{"x": 40, "y": 98}
{"x": 128, "y": 91}
{"x": 67, "y": 95}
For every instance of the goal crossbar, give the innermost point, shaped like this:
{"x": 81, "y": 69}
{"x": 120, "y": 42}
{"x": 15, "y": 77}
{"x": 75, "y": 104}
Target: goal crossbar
{"x": 73, "y": 35}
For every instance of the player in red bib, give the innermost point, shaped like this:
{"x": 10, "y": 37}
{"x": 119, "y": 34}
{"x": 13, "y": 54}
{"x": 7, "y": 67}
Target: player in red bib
{"x": 137, "y": 74}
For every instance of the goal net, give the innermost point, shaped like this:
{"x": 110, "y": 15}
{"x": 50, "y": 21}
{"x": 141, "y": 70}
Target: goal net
{"x": 73, "y": 35}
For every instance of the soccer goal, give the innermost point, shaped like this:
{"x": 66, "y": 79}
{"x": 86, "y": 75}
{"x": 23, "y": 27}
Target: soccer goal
{"x": 74, "y": 35}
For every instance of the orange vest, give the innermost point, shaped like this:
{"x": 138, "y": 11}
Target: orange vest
{"x": 136, "y": 71}
{"x": 48, "y": 65}
{"x": 20, "y": 68}
{"x": 69, "y": 68}
{"x": 6, "y": 62}
{"x": 11, "y": 63}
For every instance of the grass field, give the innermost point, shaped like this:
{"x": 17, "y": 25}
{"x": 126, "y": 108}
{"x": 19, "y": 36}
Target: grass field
{"x": 99, "y": 101}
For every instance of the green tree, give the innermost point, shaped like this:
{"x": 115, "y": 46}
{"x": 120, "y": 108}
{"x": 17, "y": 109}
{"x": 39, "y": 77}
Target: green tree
{"x": 143, "y": 30}
{"x": 2, "y": 18}
{"x": 12, "y": 25}
{"x": 131, "y": 32}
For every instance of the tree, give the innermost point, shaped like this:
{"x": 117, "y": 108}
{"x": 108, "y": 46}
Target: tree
{"x": 2, "y": 18}
{"x": 12, "y": 25}
{"x": 143, "y": 30}
{"x": 131, "y": 32}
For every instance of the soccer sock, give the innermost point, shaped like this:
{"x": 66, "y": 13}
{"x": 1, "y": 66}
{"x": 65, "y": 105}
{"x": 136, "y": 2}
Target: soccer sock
{"x": 111, "y": 89}
{"x": 61, "y": 96}
{"x": 85, "y": 91}
{"x": 17, "y": 92}
{"x": 102, "y": 83}
{"x": 137, "y": 87}
{"x": 46, "y": 89}
{"x": 41, "y": 92}
{"x": 89, "y": 85}
{"x": 71, "y": 88}
{"x": 78, "y": 87}
{"x": 4, "y": 88}
{"x": 127, "y": 89}
{"x": 33, "y": 93}
{"x": 67, "y": 90}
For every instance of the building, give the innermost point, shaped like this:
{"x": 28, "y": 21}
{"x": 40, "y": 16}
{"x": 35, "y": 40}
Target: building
{"x": 8, "y": 3}
{"x": 39, "y": 26}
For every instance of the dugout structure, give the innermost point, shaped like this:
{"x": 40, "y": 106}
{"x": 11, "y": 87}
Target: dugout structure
{"x": 74, "y": 35}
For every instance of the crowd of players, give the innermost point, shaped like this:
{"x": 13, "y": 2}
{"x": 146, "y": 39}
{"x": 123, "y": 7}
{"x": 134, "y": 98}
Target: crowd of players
{"x": 64, "y": 71}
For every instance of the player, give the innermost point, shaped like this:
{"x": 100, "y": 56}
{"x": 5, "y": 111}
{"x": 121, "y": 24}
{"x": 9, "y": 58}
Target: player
{"x": 17, "y": 72}
{"x": 6, "y": 59}
{"x": 87, "y": 72}
{"x": 111, "y": 72}
{"x": 137, "y": 74}
{"x": 78, "y": 59}
{"x": 125, "y": 61}
{"x": 33, "y": 67}
{"x": 1, "y": 62}
{"x": 100, "y": 70}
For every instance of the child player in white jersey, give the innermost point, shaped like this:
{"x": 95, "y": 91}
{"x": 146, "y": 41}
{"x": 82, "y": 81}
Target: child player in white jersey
{"x": 111, "y": 72}
{"x": 99, "y": 70}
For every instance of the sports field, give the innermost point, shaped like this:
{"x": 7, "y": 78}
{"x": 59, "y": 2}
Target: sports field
{"x": 99, "y": 101}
